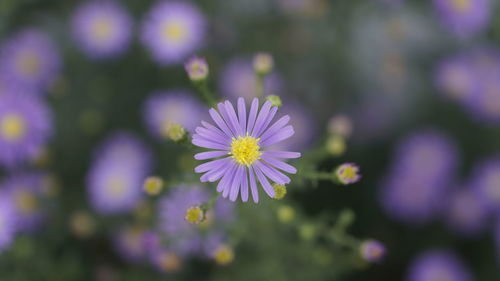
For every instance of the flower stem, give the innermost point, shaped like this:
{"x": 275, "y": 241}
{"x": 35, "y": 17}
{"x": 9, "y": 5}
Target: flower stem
{"x": 205, "y": 93}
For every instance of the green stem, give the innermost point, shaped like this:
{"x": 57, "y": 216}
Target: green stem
{"x": 205, "y": 93}
{"x": 259, "y": 85}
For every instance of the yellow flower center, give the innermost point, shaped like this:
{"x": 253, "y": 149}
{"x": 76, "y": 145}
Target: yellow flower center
{"x": 195, "y": 215}
{"x": 102, "y": 29}
{"x": 348, "y": 173}
{"x": 174, "y": 31}
{"x": 12, "y": 127}
{"x": 117, "y": 187}
{"x": 172, "y": 130}
{"x": 153, "y": 185}
{"x": 223, "y": 255}
{"x": 461, "y": 5}
{"x": 28, "y": 63}
{"x": 26, "y": 202}
{"x": 245, "y": 150}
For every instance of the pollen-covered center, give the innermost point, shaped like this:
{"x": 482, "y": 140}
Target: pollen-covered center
{"x": 349, "y": 173}
{"x": 102, "y": 28}
{"x": 12, "y": 127}
{"x": 174, "y": 31}
{"x": 461, "y": 5}
{"x": 245, "y": 150}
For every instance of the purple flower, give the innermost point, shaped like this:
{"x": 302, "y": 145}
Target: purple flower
{"x": 29, "y": 61}
{"x": 347, "y": 173}
{"x": 7, "y": 221}
{"x": 419, "y": 177}
{"x": 25, "y": 128}
{"x": 129, "y": 243}
{"x": 238, "y": 79}
{"x": 172, "y": 31}
{"x": 173, "y": 207}
{"x": 486, "y": 182}
{"x": 464, "y": 18}
{"x": 25, "y": 191}
{"x": 236, "y": 142}
{"x": 372, "y": 250}
{"x": 178, "y": 107}
{"x": 197, "y": 69}
{"x": 466, "y": 213}
{"x": 102, "y": 29}
{"x": 438, "y": 265}
{"x": 115, "y": 179}
{"x": 456, "y": 77}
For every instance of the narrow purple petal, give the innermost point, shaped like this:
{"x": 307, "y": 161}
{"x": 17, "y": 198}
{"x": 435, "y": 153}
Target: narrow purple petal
{"x": 253, "y": 114}
{"x": 209, "y": 155}
{"x": 233, "y": 118}
{"x": 214, "y": 175}
{"x": 235, "y": 188}
{"x": 275, "y": 127}
{"x": 279, "y": 164}
{"x": 266, "y": 123}
{"x": 244, "y": 186}
{"x": 220, "y": 122}
{"x": 207, "y": 138}
{"x": 281, "y": 135}
{"x": 261, "y": 118}
{"x": 242, "y": 114}
{"x": 253, "y": 185}
{"x": 225, "y": 116}
{"x": 207, "y": 144}
{"x": 264, "y": 182}
{"x": 226, "y": 179}
{"x": 210, "y": 134}
{"x": 231, "y": 181}
{"x": 273, "y": 174}
{"x": 282, "y": 154}
{"x": 214, "y": 129}
{"x": 210, "y": 165}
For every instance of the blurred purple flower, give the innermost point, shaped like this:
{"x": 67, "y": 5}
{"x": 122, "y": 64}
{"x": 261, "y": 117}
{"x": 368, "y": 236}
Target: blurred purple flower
{"x": 466, "y": 214}
{"x": 25, "y": 191}
{"x": 114, "y": 182}
{"x": 102, "y": 29}
{"x": 173, "y": 30}
{"x": 486, "y": 182}
{"x": 173, "y": 207}
{"x": 419, "y": 177}
{"x": 455, "y": 76}
{"x": 238, "y": 139}
{"x": 464, "y": 18}
{"x": 29, "y": 62}
{"x": 178, "y": 107}
{"x": 7, "y": 221}
{"x": 129, "y": 243}
{"x": 438, "y": 265}
{"x": 238, "y": 79}
{"x": 25, "y": 128}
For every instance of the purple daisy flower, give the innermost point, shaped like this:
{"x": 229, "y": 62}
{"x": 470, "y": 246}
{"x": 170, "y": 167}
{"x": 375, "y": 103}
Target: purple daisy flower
{"x": 438, "y": 265}
{"x": 102, "y": 29}
{"x": 464, "y": 17}
{"x": 25, "y": 128}
{"x": 372, "y": 250}
{"x": 173, "y": 207}
{"x": 114, "y": 182}
{"x": 164, "y": 109}
{"x": 236, "y": 142}
{"x": 7, "y": 221}
{"x": 29, "y": 61}
{"x": 466, "y": 213}
{"x": 456, "y": 77}
{"x": 486, "y": 182}
{"x": 129, "y": 243}
{"x": 238, "y": 79}
{"x": 419, "y": 178}
{"x": 173, "y": 30}
{"x": 25, "y": 191}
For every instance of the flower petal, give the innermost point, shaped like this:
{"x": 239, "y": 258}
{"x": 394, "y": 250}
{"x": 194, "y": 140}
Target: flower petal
{"x": 233, "y": 118}
{"x": 201, "y": 142}
{"x": 261, "y": 118}
{"x": 281, "y": 135}
{"x": 253, "y": 185}
{"x": 220, "y": 122}
{"x": 282, "y": 154}
{"x": 252, "y": 115}
{"x": 242, "y": 115}
{"x": 268, "y": 120}
{"x": 226, "y": 179}
{"x": 211, "y": 135}
{"x": 244, "y": 186}
{"x": 209, "y": 154}
{"x": 207, "y": 166}
{"x": 275, "y": 127}
{"x": 273, "y": 174}
{"x": 279, "y": 164}
{"x": 264, "y": 182}
{"x": 235, "y": 188}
